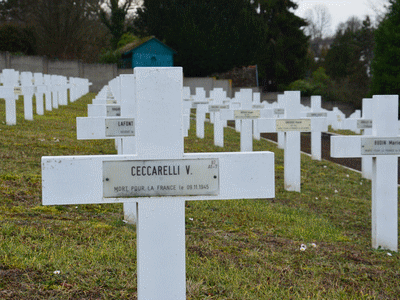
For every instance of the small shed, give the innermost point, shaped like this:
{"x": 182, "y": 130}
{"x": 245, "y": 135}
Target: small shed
{"x": 146, "y": 52}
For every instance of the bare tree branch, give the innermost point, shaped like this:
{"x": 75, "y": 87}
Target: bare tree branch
{"x": 319, "y": 21}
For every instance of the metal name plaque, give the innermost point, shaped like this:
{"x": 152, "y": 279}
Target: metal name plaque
{"x": 380, "y": 146}
{"x": 17, "y": 90}
{"x": 216, "y": 108}
{"x": 279, "y": 111}
{"x": 120, "y": 127}
{"x": 364, "y": 124}
{"x": 246, "y": 114}
{"x": 258, "y": 106}
{"x": 113, "y": 111}
{"x": 160, "y": 178}
{"x": 317, "y": 115}
{"x": 303, "y": 125}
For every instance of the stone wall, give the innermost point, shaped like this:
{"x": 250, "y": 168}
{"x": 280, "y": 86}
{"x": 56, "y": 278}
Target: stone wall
{"x": 98, "y": 74}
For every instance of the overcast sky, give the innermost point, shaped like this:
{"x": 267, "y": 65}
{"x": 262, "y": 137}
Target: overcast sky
{"x": 341, "y": 10}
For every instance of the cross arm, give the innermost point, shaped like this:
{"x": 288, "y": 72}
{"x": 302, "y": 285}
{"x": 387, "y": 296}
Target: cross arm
{"x": 345, "y": 146}
{"x": 89, "y": 128}
{"x": 79, "y": 179}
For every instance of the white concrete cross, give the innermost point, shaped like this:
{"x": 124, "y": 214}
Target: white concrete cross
{"x": 114, "y": 121}
{"x": 55, "y": 90}
{"x": 316, "y": 112}
{"x": 367, "y": 111}
{"x": 62, "y": 88}
{"x": 219, "y": 96}
{"x": 10, "y": 92}
{"x": 281, "y": 105}
{"x": 39, "y": 90}
{"x": 27, "y": 91}
{"x": 244, "y": 117}
{"x": 257, "y": 105}
{"x": 186, "y": 109}
{"x": 160, "y": 177}
{"x": 48, "y": 92}
{"x": 336, "y": 118}
{"x": 384, "y": 148}
{"x": 353, "y": 122}
{"x": 291, "y": 125}
{"x": 201, "y": 104}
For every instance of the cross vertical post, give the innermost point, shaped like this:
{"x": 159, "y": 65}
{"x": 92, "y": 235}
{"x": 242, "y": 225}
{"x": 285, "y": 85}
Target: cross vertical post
{"x": 160, "y": 177}
{"x": 384, "y": 148}
{"x": 385, "y": 176}
{"x": 292, "y": 171}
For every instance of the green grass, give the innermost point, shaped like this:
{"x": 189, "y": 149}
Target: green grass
{"x": 236, "y": 249}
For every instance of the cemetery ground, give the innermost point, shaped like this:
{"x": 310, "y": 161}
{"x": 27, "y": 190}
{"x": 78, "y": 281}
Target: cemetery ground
{"x": 235, "y": 249}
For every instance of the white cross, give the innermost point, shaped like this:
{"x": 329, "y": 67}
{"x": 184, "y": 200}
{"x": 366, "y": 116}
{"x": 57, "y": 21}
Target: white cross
{"x": 219, "y": 96}
{"x": 281, "y": 135}
{"x": 55, "y": 90}
{"x": 244, "y": 117}
{"x": 27, "y": 91}
{"x": 10, "y": 91}
{"x": 366, "y": 161}
{"x": 114, "y": 121}
{"x": 39, "y": 90}
{"x": 257, "y": 105}
{"x": 316, "y": 112}
{"x": 384, "y": 148}
{"x": 201, "y": 104}
{"x": 48, "y": 91}
{"x": 291, "y": 126}
{"x": 163, "y": 177}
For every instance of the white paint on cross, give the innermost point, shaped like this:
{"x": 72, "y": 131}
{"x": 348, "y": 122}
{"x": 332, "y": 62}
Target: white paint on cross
{"x": 366, "y": 161}
{"x": 48, "y": 92}
{"x": 384, "y": 148}
{"x": 316, "y": 112}
{"x": 119, "y": 127}
{"x": 201, "y": 104}
{"x": 39, "y": 90}
{"x": 10, "y": 94}
{"x": 219, "y": 96}
{"x": 161, "y": 214}
{"x": 291, "y": 126}
{"x": 244, "y": 116}
{"x": 27, "y": 91}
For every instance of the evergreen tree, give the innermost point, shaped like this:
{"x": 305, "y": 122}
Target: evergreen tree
{"x": 115, "y": 19}
{"x": 209, "y": 36}
{"x": 348, "y": 60}
{"x": 386, "y": 64}
{"x": 283, "y": 56}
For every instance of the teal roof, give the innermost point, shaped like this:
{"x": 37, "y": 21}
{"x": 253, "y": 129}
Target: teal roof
{"x": 136, "y": 45}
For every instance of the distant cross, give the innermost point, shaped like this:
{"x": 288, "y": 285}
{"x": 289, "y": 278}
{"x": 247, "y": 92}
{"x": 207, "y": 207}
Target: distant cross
{"x": 291, "y": 126}
{"x": 27, "y": 91}
{"x": 10, "y": 92}
{"x": 316, "y": 112}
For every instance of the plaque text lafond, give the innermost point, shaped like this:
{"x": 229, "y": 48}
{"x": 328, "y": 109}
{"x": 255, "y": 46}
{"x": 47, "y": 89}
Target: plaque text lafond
{"x": 152, "y": 178}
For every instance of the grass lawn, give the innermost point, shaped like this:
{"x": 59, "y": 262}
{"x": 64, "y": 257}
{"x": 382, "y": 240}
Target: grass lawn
{"x": 236, "y": 249}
